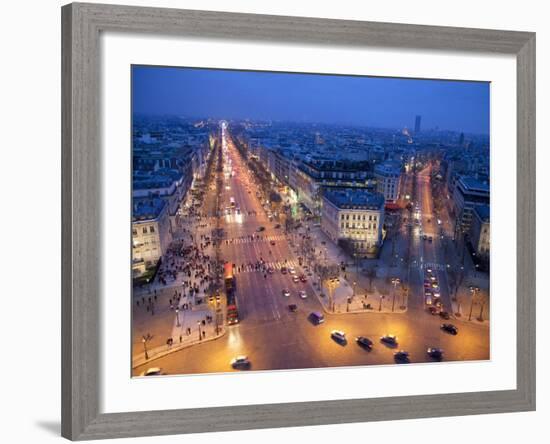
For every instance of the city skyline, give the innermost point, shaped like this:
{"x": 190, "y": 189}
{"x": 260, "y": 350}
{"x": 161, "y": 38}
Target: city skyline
{"x": 376, "y": 102}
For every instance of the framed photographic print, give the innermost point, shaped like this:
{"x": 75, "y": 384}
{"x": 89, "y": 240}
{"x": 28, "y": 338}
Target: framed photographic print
{"x": 278, "y": 221}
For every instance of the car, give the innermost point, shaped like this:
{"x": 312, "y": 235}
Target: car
{"x": 424, "y": 237}
{"x": 270, "y": 270}
{"x": 433, "y": 310}
{"x": 444, "y": 315}
{"x": 240, "y": 362}
{"x": 303, "y": 278}
{"x": 435, "y": 353}
{"x": 437, "y": 294}
{"x": 283, "y": 270}
{"x": 435, "y": 285}
{"x": 433, "y": 278}
{"x": 429, "y": 300}
{"x": 449, "y": 328}
{"x": 295, "y": 279}
{"x": 389, "y": 340}
{"x": 429, "y": 270}
{"x": 152, "y": 371}
{"x": 292, "y": 308}
{"x": 291, "y": 270}
{"x": 401, "y": 357}
{"x": 286, "y": 293}
{"x": 339, "y": 336}
{"x": 316, "y": 317}
{"x": 272, "y": 242}
{"x": 260, "y": 229}
{"x": 302, "y": 294}
{"x": 277, "y": 226}
{"x": 430, "y": 239}
{"x": 364, "y": 342}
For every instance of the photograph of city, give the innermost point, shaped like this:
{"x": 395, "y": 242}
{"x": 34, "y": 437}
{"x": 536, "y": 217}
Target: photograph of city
{"x": 286, "y": 221}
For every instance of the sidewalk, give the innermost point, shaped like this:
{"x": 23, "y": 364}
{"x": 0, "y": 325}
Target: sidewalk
{"x": 182, "y": 337}
{"x": 375, "y": 298}
{"x": 468, "y": 308}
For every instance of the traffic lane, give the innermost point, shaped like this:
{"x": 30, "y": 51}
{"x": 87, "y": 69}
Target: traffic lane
{"x": 295, "y": 343}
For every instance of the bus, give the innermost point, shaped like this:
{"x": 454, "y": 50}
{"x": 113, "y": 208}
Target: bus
{"x": 229, "y": 277}
{"x": 232, "y": 310}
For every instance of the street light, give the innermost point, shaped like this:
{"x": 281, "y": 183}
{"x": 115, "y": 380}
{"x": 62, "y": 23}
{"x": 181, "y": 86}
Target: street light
{"x": 394, "y": 281}
{"x": 474, "y": 291}
{"x": 200, "y": 332}
{"x": 144, "y": 340}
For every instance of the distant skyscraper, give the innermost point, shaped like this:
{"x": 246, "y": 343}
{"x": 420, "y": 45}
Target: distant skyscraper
{"x": 461, "y": 139}
{"x": 417, "y": 124}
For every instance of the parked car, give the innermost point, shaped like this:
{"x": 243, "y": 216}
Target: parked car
{"x": 292, "y": 308}
{"x": 261, "y": 229}
{"x": 295, "y": 279}
{"x": 435, "y": 353}
{"x": 449, "y": 328}
{"x": 302, "y": 294}
{"x": 433, "y": 310}
{"x": 283, "y": 270}
{"x": 364, "y": 342}
{"x": 272, "y": 242}
{"x": 303, "y": 278}
{"x": 444, "y": 315}
{"x": 286, "y": 293}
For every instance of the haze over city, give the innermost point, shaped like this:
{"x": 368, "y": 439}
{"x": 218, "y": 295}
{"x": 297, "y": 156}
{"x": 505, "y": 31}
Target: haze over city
{"x": 366, "y": 101}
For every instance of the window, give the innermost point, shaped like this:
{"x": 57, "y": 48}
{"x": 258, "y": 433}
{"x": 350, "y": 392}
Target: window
{"x": 134, "y": 232}
{"x": 144, "y": 230}
{"x": 151, "y": 229}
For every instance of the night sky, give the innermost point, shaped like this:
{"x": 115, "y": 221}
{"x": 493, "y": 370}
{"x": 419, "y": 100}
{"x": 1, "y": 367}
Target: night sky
{"x": 370, "y": 101}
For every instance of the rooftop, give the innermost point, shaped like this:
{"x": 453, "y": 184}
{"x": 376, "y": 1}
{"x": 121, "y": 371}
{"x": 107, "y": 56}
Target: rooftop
{"x": 483, "y": 212}
{"x": 146, "y": 209}
{"x": 472, "y": 184}
{"x": 355, "y": 198}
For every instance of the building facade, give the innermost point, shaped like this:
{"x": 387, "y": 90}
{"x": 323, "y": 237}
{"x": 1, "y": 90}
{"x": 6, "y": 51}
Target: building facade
{"x": 151, "y": 233}
{"x": 388, "y": 180}
{"x": 469, "y": 193}
{"x": 356, "y": 216}
{"x": 480, "y": 232}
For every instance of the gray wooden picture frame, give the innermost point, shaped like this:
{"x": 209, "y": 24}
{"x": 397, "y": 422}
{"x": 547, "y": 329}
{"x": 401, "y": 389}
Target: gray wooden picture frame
{"x": 81, "y": 232}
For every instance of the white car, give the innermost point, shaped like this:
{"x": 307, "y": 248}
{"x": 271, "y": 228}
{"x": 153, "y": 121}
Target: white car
{"x": 286, "y": 293}
{"x": 338, "y": 335}
{"x": 153, "y": 371}
{"x": 302, "y": 294}
{"x": 291, "y": 270}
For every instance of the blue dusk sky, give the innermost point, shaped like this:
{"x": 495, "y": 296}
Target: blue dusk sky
{"x": 368, "y": 101}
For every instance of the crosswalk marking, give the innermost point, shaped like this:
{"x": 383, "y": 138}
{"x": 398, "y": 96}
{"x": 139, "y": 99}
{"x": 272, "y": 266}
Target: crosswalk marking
{"x": 275, "y": 265}
{"x": 246, "y": 239}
